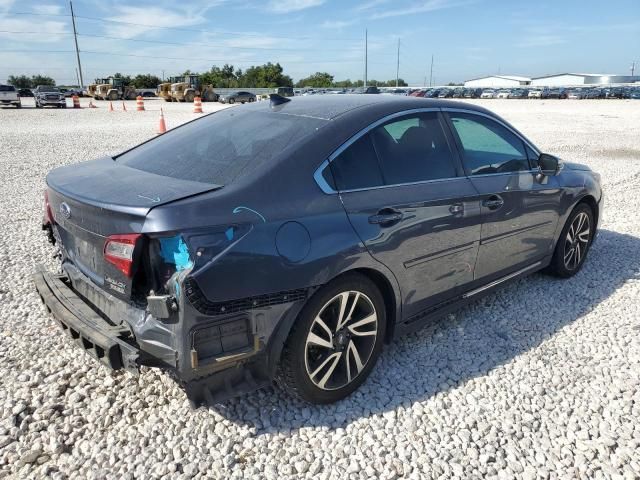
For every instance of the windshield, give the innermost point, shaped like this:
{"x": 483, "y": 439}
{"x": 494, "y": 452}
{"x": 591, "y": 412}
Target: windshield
{"x": 7, "y": 88}
{"x": 221, "y": 147}
{"x": 47, "y": 89}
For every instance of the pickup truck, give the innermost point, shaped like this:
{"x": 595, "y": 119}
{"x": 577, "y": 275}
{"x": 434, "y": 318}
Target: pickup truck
{"x": 45, "y": 96}
{"x": 9, "y": 96}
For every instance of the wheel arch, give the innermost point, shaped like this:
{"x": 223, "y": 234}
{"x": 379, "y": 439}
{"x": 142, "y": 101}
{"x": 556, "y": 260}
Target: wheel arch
{"x": 388, "y": 288}
{"x": 593, "y": 204}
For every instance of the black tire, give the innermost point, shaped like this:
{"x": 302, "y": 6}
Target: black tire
{"x": 231, "y": 100}
{"x": 299, "y": 355}
{"x": 112, "y": 97}
{"x": 188, "y": 98}
{"x": 565, "y": 264}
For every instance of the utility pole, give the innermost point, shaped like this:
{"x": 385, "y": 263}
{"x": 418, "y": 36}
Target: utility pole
{"x": 77, "y": 77}
{"x": 633, "y": 68}
{"x": 75, "y": 37}
{"x": 431, "y": 72}
{"x": 398, "y": 64}
{"x": 365, "y": 58}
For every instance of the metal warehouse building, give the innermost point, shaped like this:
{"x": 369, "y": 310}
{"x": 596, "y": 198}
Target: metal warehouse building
{"x": 564, "y": 79}
{"x": 497, "y": 81}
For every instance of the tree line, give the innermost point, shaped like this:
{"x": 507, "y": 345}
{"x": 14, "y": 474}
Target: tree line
{"x": 269, "y": 75}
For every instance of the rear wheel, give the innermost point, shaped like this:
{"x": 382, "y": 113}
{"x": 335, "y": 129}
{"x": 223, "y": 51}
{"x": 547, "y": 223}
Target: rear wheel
{"x": 335, "y": 342}
{"x": 574, "y": 242}
{"x": 113, "y": 96}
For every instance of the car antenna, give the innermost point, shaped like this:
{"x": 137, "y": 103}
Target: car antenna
{"x": 275, "y": 99}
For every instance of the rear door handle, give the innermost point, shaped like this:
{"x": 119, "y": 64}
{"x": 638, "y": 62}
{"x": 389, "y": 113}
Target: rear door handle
{"x": 386, "y": 215}
{"x": 494, "y": 202}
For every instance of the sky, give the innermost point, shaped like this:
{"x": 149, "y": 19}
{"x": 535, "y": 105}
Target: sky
{"x": 467, "y": 38}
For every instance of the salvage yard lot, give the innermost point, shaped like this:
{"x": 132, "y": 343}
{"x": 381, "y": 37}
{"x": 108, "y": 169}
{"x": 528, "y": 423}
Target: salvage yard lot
{"x": 540, "y": 380}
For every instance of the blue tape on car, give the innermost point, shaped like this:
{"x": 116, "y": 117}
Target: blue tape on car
{"x": 174, "y": 251}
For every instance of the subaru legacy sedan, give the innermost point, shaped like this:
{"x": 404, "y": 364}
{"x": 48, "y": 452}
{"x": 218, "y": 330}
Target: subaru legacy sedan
{"x": 290, "y": 239}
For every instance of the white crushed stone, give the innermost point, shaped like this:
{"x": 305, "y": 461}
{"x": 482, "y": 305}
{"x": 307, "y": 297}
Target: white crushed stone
{"x": 540, "y": 380}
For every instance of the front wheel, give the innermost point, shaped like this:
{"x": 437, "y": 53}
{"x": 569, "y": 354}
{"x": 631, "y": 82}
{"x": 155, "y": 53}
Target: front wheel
{"x": 574, "y": 242}
{"x": 231, "y": 100}
{"x": 335, "y": 342}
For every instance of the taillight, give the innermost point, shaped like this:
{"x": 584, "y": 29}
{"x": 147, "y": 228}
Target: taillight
{"x": 48, "y": 214}
{"x": 118, "y": 250}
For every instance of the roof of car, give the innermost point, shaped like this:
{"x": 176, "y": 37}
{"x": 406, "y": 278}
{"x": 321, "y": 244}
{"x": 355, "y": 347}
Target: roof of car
{"x": 329, "y": 107}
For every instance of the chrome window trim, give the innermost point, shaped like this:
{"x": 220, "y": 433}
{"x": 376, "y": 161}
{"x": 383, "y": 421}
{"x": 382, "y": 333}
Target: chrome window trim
{"x": 326, "y": 188}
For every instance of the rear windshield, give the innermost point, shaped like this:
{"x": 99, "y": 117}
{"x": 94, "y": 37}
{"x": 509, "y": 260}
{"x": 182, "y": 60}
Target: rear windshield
{"x": 221, "y": 147}
{"x": 7, "y": 88}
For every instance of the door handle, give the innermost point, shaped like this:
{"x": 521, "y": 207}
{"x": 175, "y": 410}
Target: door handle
{"x": 494, "y": 202}
{"x": 457, "y": 209}
{"x": 386, "y": 215}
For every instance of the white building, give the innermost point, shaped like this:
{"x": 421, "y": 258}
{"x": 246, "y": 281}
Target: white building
{"x": 497, "y": 81}
{"x": 570, "y": 79}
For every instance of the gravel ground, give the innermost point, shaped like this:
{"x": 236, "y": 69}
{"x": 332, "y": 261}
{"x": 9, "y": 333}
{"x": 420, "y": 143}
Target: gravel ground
{"x": 539, "y": 380}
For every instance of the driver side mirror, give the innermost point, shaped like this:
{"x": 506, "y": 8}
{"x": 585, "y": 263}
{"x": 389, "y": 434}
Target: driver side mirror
{"x": 549, "y": 165}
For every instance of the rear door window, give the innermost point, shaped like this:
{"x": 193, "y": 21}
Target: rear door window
{"x": 409, "y": 149}
{"x": 487, "y": 146}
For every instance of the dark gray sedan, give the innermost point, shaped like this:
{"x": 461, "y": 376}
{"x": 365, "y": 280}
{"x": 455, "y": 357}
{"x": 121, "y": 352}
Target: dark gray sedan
{"x": 291, "y": 239}
{"x": 237, "y": 97}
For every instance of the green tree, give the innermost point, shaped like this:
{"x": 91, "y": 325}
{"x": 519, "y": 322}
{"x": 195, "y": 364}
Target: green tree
{"x": 20, "y": 81}
{"x": 146, "y": 81}
{"x": 269, "y": 75}
{"x": 42, "y": 80}
{"x": 225, "y": 77}
{"x": 126, "y": 79}
{"x": 317, "y": 80}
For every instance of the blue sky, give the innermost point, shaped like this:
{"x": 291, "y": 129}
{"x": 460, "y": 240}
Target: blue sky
{"x": 468, "y": 38}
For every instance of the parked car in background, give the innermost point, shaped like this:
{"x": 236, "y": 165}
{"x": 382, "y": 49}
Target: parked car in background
{"x": 503, "y": 93}
{"x": 9, "y": 96}
{"x": 25, "y": 92}
{"x": 472, "y": 93}
{"x": 47, "y": 96}
{"x": 576, "y": 94}
{"x": 237, "y": 97}
{"x": 535, "y": 93}
{"x": 418, "y": 93}
{"x": 595, "y": 93}
{"x": 446, "y": 93}
{"x": 556, "y": 93}
{"x": 284, "y": 91}
{"x": 292, "y": 243}
{"x": 615, "y": 92}
{"x": 634, "y": 94}
{"x": 488, "y": 93}
{"x": 519, "y": 93}
{"x": 368, "y": 90}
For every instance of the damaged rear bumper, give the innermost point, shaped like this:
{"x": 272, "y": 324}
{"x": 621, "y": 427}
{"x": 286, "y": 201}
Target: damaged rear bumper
{"x": 91, "y": 332}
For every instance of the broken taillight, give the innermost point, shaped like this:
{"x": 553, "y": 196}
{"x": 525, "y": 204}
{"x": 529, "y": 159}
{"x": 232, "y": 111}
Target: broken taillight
{"x": 48, "y": 214}
{"x": 119, "y": 249}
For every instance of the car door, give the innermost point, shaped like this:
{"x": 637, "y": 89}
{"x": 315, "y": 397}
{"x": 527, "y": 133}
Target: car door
{"x": 406, "y": 196}
{"x": 519, "y": 205}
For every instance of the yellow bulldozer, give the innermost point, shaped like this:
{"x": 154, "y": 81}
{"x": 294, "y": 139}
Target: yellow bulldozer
{"x": 113, "y": 88}
{"x": 186, "y": 88}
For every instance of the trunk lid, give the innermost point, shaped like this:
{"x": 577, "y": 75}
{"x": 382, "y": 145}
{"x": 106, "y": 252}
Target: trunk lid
{"x": 93, "y": 200}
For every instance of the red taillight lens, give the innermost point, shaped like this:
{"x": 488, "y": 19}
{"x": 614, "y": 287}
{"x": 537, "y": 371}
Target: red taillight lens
{"x": 119, "y": 249}
{"x": 48, "y": 214}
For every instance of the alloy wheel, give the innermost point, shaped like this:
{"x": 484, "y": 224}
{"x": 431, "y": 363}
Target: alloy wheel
{"x": 341, "y": 340}
{"x": 577, "y": 241}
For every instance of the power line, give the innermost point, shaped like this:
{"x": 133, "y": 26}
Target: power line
{"x": 163, "y": 57}
{"x": 181, "y": 29}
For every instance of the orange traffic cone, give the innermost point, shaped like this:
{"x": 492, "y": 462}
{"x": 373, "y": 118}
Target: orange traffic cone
{"x": 197, "y": 105}
{"x": 91, "y": 105}
{"x": 139, "y": 104}
{"x": 124, "y": 107}
{"x": 111, "y": 106}
{"x": 162, "y": 127}
{"x": 76, "y": 101}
